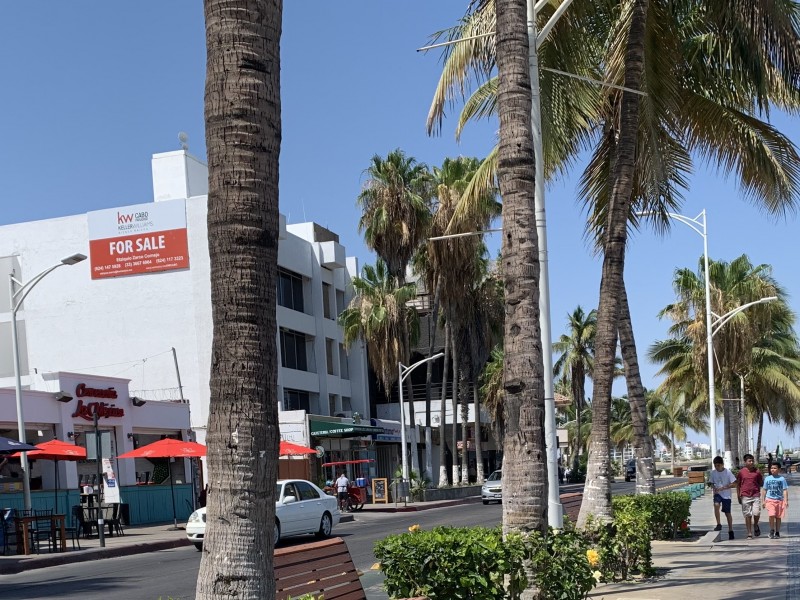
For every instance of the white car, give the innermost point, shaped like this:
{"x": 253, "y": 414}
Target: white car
{"x": 300, "y": 508}
{"x": 492, "y": 488}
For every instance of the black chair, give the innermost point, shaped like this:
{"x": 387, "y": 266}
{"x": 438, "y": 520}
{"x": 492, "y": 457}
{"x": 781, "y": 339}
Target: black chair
{"x": 72, "y": 529}
{"x": 116, "y": 521}
{"x": 42, "y": 529}
{"x": 8, "y": 529}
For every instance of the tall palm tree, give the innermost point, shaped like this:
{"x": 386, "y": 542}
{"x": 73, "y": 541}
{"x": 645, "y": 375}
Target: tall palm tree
{"x": 669, "y": 419}
{"x": 380, "y": 314}
{"x": 524, "y": 470}
{"x": 492, "y": 393}
{"x": 395, "y": 214}
{"x": 576, "y": 362}
{"x": 243, "y": 134}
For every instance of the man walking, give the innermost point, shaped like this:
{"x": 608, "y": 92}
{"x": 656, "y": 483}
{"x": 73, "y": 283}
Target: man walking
{"x": 748, "y": 489}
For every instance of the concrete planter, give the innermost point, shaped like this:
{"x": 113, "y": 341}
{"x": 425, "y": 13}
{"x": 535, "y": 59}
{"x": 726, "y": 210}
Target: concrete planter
{"x": 451, "y": 493}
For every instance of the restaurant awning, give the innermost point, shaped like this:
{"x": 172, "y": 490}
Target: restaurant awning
{"x": 336, "y": 427}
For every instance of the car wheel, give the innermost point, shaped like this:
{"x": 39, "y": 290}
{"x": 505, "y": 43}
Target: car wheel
{"x": 485, "y": 502}
{"x": 325, "y": 526}
{"x": 198, "y": 545}
{"x": 277, "y": 534}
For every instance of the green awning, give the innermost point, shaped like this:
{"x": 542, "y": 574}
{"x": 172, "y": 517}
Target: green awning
{"x": 335, "y": 428}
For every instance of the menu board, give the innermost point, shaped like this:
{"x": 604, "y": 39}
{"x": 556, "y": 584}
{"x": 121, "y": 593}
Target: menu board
{"x": 379, "y": 493}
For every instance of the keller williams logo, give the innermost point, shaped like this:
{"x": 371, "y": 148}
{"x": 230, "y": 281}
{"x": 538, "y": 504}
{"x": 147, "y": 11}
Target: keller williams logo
{"x": 102, "y": 409}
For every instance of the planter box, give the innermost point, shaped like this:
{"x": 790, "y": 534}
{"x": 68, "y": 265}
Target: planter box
{"x": 696, "y": 476}
{"x": 452, "y": 493}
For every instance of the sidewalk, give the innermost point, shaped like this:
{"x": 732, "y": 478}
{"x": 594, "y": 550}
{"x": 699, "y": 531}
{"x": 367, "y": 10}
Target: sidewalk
{"x": 714, "y": 568}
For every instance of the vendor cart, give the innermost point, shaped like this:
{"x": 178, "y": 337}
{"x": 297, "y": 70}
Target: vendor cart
{"x": 357, "y": 491}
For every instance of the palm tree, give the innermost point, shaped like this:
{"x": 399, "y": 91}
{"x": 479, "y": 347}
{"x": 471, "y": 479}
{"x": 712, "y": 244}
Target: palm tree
{"x": 395, "y": 214}
{"x": 524, "y": 471}
{"x": 492, "y": 393}
{"x": 669, "y": 419}
{"x": 576, "y": 362}
{"x": 380, "y": 315}
{"x": 243, "y": 134}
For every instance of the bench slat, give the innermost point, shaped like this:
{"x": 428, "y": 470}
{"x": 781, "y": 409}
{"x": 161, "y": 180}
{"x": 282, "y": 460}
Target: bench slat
{"x": 323, "y": 567}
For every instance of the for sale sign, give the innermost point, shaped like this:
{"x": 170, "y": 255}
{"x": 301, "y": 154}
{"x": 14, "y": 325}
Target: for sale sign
{"x": 144, "y": 238}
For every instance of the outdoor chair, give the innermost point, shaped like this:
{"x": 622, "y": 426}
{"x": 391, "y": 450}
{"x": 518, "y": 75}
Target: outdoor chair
{"x": 42, "y": 530}
{"x": 9, "y": 531}
{"x": 72, "y": 529}
{"x": 79, "y": 518}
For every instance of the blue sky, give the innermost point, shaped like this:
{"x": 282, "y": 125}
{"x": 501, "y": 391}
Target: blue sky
{"x": 92, "y": 89}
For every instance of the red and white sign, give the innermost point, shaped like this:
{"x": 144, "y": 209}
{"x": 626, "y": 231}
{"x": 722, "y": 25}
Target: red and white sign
{"x": 143, "y": 238}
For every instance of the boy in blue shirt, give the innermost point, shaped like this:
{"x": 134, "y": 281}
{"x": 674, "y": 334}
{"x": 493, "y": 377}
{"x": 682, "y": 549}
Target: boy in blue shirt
{"x": 775, "y": 498}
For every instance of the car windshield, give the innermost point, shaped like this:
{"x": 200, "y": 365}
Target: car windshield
{"x": 496, "y": 476}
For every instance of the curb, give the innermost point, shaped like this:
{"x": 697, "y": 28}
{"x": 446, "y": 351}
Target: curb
{"x": 41, "y": 562}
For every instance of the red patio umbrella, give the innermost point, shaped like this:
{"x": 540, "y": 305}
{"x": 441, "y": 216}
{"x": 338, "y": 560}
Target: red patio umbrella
{"x": 290, "y": 449}
{"x": 168, "y": 448}
{"x": 57, "y": 450}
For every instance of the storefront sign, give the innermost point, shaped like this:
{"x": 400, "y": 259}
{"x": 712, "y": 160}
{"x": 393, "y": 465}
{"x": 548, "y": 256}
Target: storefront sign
{"x": 143, "y": 238}
{"x": 110, "y": 486}
{"x": 103, "y": 410}
{"x": 82, "y": 391}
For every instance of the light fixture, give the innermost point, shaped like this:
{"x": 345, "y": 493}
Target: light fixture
{"x": 71, "y": 435}
{"x": 137, "y": 401}
{"x": 40, "y": 433}
{"x": 62, "y": 396}
{"x": 73, "y": 259}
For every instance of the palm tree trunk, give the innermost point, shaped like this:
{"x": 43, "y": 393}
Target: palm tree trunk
{"x": 432, "y": 329}
{"x": 742, "y": 420}
{"x": 454, "y": 431}
{"x": 524, "y": 451}
{"x": 463, "y": 400}
{"x": 442, "y": 403}
{"x": 476, "y": 401}
{"x": 757, "y": 452}
{"x": 672, "y": 451}
{"x": 243, "y": 135}
{"x": 645, "y": 467}
{"x": 578, "y": 382}
{"x": 597, "y": 493}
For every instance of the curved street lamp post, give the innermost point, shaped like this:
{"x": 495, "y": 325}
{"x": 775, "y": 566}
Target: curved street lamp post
{"x": 18, "y": 291}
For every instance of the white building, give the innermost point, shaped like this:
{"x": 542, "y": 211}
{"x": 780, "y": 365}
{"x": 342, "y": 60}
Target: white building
{"x": 145, "y": 291}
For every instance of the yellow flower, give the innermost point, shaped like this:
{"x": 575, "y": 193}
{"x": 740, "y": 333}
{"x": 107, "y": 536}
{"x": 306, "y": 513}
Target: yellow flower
{"x": 597, "y": 576}
{"x": 414, "y": 528}
{"x": 593, "y": 556}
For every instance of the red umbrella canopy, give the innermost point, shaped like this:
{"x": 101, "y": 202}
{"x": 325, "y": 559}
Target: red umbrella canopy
{"x": 167, "y": 448}
{"x": 290, "y": 449}
{"x": 57, "y": 450}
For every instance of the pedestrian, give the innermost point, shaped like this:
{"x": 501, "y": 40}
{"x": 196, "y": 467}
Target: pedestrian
{"x": 787, "y": 463}
{"x": 748, "y": 489}
{"x": 341, "y": 487}
{"x": 775, "y": 498}
{"x": 722, "y": 480}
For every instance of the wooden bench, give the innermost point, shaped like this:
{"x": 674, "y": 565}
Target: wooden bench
{"x": 571, "y": 505}
{"x": 319, "y": 568}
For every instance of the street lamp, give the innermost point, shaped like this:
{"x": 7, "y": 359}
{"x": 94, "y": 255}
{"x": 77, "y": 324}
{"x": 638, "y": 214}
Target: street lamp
{"x": 18, "y": 291}
{"x": 403, "y": 373}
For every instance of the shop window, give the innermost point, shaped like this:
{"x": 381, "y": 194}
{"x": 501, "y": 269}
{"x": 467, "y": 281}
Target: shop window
{"x": 290, "y": 290}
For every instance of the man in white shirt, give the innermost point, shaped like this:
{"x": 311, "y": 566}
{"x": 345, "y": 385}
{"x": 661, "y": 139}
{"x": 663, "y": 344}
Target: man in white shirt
{"x": 722, "y": 480}
{"x": 341, "y": 488}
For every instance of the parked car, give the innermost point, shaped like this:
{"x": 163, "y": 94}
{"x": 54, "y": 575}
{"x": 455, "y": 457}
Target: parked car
{"x": 300, "y": 508}
{"x": 630, "y": 469}
{"x": 492, "y": 488}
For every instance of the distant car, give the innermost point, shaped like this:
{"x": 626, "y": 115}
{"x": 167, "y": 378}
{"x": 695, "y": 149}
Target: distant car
{"x": 300, "y": 508}
{"x": 630, "y": 469}
{"x": 493, "y": 488}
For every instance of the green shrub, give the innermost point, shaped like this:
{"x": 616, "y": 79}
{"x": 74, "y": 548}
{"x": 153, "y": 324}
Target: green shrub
{"x": 665, "y": 512}
{"x": 623, "y": 544}
{"x": 562, "y": 568}
{"x": 450, "y": 563}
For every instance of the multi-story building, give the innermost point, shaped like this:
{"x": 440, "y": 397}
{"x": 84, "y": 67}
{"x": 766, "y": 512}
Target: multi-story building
{"x": 139, "y": 308}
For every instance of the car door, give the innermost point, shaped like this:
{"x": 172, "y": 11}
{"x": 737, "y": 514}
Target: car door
{"x": 312, "y": 507}
{"x": 289, "y": 514}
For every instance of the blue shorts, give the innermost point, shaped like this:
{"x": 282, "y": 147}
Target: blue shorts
{"x": 725, "y": 502}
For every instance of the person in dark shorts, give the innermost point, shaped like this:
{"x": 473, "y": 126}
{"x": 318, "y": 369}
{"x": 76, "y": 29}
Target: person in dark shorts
{"x": 748, "y": 489}
{"x": 722, "y": 480}
{"x": 342, "y": 483}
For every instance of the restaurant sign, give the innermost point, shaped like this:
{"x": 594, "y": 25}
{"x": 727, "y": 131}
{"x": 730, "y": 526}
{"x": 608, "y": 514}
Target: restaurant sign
{"x": 103, "y": 409}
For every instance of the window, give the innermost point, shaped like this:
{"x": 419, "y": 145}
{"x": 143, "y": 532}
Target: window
{"x": 290, "y": 290}
{"x": 293, "y": 350}
{"x": 295, "y": 400}
{"x": 340, "y": 306}
{"x": 326, "y": 301}
{"x": 306, "y": 491}
{"x": 329, "y": 356}
{"x": 344, "y": 369}
{"x": 331, "y": 404}
{"x": 346, "y": 405}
